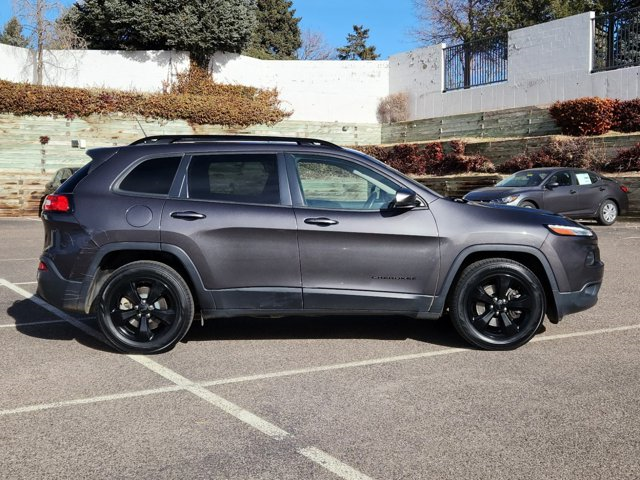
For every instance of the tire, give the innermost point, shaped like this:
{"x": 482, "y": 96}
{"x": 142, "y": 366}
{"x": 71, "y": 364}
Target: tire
{"x": 133, "y": 321}
{"x": 497, "y": 304}
{"x": 527, "y": 204}
{"x": 607, "y": 213}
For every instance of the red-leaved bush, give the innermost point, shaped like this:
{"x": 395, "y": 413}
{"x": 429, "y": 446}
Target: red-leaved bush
{"x": 627, "y": 116}
{"x": 626, "y": 160}
{"x": 584, "y": 116}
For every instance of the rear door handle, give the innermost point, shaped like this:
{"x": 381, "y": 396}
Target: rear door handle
{"x": 189, "y": 216}
{"x": 322, "y": 221}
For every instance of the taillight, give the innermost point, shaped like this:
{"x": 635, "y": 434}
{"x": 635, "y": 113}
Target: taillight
{"x": 624, "y": 188}
{"x": 56, "y": 203}
{"x": 42, "y": 267}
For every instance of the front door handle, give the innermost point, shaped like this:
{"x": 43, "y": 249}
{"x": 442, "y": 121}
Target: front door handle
{"x": 189, "y": 216}
{"x": 572, "y": 192}
{"x": 322, "y": 221}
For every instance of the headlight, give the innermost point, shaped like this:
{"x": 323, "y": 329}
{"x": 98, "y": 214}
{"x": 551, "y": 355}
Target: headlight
{"x": 505, "y": 200}
{"x": 569, "y": 231}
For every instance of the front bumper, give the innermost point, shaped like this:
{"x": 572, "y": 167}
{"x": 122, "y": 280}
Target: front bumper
{"x": 572, "y": 302}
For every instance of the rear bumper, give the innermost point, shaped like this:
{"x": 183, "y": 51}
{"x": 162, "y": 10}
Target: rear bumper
{"x": 58, "y": 291}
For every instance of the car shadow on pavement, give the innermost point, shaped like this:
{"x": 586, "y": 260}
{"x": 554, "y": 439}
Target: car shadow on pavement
{"x": 27, "y": 314}
{"x": 27, "y": 317}
{"x": 438, "y": 332}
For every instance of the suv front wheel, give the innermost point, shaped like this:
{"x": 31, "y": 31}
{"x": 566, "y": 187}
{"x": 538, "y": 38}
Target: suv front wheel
{"x": 145, "y": 307}
{"x": 497, "y": 304}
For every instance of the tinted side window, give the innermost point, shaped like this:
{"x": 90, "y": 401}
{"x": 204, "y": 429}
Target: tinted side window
{"x": 562, "y": 178}
{"x": 245, "y": 178}
{"x": 153, "y": 176}
{"x": 339, "y": 184}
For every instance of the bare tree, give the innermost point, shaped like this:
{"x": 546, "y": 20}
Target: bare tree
{"x": 46, "y": 28}
{"x": 455, "y": 20}
{"x": 315, "y": 47}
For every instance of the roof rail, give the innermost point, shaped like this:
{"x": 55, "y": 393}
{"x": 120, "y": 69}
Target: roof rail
{"x": 170, "y": 139}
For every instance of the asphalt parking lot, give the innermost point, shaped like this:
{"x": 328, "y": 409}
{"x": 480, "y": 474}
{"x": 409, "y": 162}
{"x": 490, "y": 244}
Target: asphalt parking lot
{"x": 348, "y": 397}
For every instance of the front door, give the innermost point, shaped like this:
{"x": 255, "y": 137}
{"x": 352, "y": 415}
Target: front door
{"x": 562, "y": 198}
{"x": 355, "y": 252}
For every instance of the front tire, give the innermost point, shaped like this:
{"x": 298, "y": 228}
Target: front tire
{"x": 608, "y": 213}
{"x": 145, "y": 307}
{"x": 497, "y": 304}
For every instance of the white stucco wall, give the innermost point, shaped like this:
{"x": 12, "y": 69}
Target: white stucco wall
{"x": 547, "y": 62}
{"x": 15, "y": 64}
{"x": 346, "y": 91}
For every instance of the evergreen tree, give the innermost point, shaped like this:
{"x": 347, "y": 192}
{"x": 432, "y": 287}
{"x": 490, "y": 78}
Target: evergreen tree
{"x": 356, "y": 47}
{"x": 12, "y": 34}
{"x": 277, "y": 34}
{"x": 200, "y": 27}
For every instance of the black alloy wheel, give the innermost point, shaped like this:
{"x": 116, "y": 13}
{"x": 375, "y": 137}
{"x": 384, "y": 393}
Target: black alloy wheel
{"x": 145, "y": 307}
{"x": 498, "y": 304}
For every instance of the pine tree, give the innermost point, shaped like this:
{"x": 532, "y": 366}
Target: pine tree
{"x": 12, "y": 34}
{"x": 356, "y": 47}
{"x": 277, "y": 34}
{"x": 200, "y": 27}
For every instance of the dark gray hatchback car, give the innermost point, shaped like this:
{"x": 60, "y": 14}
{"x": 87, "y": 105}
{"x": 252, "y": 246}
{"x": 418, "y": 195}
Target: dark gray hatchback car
{"x": 151, "y": 234}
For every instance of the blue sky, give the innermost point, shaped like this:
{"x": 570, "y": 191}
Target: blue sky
{"x": 388, "y": 21}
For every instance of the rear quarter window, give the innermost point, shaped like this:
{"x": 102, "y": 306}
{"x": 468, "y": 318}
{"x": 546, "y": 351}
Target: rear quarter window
{"x": 153, "y": 176}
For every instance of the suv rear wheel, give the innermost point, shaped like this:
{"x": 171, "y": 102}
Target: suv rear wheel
{"x": 497, "y": 304}
{"x": 145, "y": 307}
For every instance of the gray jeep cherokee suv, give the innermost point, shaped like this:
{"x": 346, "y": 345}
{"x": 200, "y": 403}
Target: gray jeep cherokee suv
{"x": 151, "y": 234}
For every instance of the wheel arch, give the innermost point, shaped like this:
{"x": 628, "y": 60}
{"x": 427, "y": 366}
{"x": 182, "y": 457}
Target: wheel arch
{"x": 530, "y": 257}
{"x": 113, "y": 256}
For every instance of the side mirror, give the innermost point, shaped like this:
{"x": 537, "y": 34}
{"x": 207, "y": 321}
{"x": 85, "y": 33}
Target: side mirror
{"x": 552, "y": 185}
{"x": 405, "y": 199}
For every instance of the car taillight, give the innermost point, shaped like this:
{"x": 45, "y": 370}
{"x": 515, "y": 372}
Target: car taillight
{"x": 624, "y": 188}
{"x": 42, "y": 267}
{"x": 56, "y": 203}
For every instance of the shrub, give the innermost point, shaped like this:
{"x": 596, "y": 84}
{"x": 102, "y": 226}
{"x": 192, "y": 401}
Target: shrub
{"x": 393, "y": 108}
{"x": 194, "y": 97}
{"x": 571, "y": 152}
{"x": 626, "y": 117}
{"x": 626, "y": 160}
{"x": 407, "y": 158}
{"x": 374, "y": 151}
{"x": 457, "y": 161}
{"x": 584, "y": 116}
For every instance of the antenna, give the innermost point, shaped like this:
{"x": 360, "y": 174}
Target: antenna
{"x": 140, "y": 125}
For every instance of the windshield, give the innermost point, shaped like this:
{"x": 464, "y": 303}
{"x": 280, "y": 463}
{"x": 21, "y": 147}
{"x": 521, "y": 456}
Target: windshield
{"x": 526, "y": 178}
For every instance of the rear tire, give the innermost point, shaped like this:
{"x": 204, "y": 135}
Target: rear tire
{"x": 145, "y": 307}
{"x": 608, "y": 213}
{"x": 497, "y": 304}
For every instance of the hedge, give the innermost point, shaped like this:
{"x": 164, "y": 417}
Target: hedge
{"x": 194, "y": 98}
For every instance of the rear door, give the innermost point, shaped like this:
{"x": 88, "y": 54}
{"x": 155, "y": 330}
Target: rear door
{"x": 235, "y": 221}
{"x": 355, "y": 253}
{"x": 591, "y": 192}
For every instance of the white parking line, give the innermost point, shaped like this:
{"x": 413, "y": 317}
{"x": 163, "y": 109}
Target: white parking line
{"x": 18, "y": 259}
{"x": 29, "y": 324}
{"x": 25, "y": 283}
{"x": 315, "y": 455}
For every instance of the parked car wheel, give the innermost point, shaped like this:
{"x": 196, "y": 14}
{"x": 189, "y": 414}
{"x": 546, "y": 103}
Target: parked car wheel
{"x": 498, "y": 304}
{"x": 527, "y": 205}
{"x": 608, "y": 213}
{"x": 145, "y": 307}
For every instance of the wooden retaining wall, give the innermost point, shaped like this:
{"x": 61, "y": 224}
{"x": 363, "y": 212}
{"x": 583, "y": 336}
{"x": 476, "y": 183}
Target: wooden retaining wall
{"x": 515, "y": 122}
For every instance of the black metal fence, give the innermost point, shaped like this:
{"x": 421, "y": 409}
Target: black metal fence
{"x": 616, "y": 40}
{"x": 480, "y": 62}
